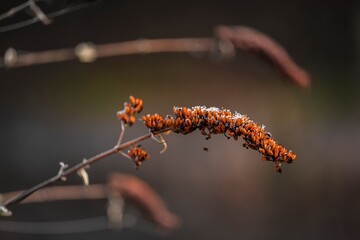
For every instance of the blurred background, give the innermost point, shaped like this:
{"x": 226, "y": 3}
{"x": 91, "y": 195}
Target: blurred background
{"x": 67, "y": 112}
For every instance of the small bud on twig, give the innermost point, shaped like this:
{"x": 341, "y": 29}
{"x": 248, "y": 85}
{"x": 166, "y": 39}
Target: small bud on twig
{"x": 63, "y": 166}
{"x": 5, "y": 212}
{"x": 10, "y": 57}
{"x": 84, "y": 176}
{"x": 86, "y": 52}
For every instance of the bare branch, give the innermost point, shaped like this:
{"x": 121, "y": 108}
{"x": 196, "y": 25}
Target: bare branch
{"x": 39, "y": 13}
{"x": 142, "y": 46}
{"x": 15, "y": 10}
{"x": 250, "y": 40}
{"x": 25, "y": 194}
{"x": 129, "y": 187}
{"x": 227, "y": 38}
{"x": 61, "y": 193}
{"x": 38, "y": 16}
{"x": 141, "y": 193}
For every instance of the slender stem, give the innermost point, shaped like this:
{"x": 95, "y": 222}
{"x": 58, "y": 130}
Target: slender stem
{"x": 14, "y": 10}
{"x": 20, "y": 197}
{"x": 39, "y": 13}
{"x": 121, "y": 133}
{"x": 36, "y": 19}
{"x": 90, "y": 52}
{"x": 57, "y": 193}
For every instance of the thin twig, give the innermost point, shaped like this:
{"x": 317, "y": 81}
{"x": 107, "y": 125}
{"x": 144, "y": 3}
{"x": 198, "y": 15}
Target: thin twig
{"x": 121, "y": 133}
{"x": 61, "y": 193}
{"x": 14, "y": 10}
{"x": 142, "y": 46}
{"x": 124, "y": 154}
{"x": 39, "y": 13}
{"x": 251, "y": 40}
{"x": 25, "y": 194}
{"x": 160, "y": 140}
{"x": 33, "y": 20}
{"x": 226, "y": 40}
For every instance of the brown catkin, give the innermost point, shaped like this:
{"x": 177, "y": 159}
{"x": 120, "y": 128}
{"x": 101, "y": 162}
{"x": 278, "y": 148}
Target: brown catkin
{"x": 221, "y": 121}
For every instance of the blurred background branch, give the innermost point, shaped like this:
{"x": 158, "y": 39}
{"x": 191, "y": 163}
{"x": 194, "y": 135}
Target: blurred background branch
{"x": 119, "y": 186}
{"x": 225, "y": 42}
{"x": 38, "y": 14}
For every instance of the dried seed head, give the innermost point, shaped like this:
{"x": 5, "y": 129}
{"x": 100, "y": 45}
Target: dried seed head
{"x": 221, "y": 121}
{"x": 138, "y": 155}
{"x": 134, "y": 106}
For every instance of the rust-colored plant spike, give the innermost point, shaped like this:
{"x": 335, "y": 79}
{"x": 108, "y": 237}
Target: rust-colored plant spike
{"x": 250, "y": 40}
{"x": 221, "y": 121}
{"x": 138, "y": 155}
{"x": 127, "y": 114}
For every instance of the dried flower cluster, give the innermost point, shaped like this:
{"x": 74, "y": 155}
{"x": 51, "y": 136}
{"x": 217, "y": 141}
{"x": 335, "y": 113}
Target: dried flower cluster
{"x": 208, "y": 121}
{"x": 221, "y": 121}
{"x": 138, "y": 155}
{"x": 127, "y": 114}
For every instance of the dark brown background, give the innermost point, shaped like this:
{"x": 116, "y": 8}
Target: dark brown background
{"x": 66, "y": 111}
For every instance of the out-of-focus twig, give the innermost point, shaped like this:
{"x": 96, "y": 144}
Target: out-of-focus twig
{"x": 14, "y": 10}
{"x": 88, "y": 52}
{"x": 30, "y": 4}
{"x": 250, "y": 40}
{"x": 39, "y": 13}
{"x": 141, "y": 193}
{"x": 40, "y": 16}
{"x": 57, "y": 193}
{"x": 226, "y": 41}
{"x": 126, "y": 186}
